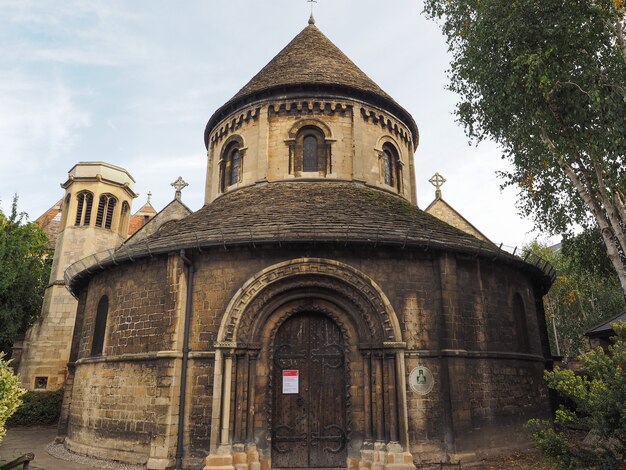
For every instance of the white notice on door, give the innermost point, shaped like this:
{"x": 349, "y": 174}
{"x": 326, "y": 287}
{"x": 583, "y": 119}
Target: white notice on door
{"x": 290, "y": 382}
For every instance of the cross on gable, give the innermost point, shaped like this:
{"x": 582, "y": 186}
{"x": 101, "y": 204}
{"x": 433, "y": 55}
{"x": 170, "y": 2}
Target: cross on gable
{"x": 179, "y": 185}
{"x": 437, "y": 181}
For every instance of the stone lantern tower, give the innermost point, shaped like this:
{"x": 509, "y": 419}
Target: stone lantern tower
{"x": 95, "y": 214}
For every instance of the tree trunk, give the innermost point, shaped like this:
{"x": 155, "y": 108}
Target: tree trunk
{"x": 610, "y": 209}
{"x": 603, "y": 225}
{"x": 619, "y": 203}
{"x": 590, "y": 202}
{"x": 619, "y": 32}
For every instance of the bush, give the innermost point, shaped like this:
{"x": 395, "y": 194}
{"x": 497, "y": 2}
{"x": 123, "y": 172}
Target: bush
{"x": 38, "y": 408}
{"x": 600, "y": 408}
{"x": 10, "y": 393}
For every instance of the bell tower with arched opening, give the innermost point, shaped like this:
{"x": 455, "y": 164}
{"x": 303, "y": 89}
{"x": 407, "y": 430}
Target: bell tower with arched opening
{"x": 95, "y": 213}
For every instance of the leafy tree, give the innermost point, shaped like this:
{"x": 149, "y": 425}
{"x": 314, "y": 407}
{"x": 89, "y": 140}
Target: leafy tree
{"x": 10, "y": 394}
{"x": 546, "y": 80}
{"x": 585, "y": 292}
{"x": 24, "y": 273}
{"x": 600, "y": 398}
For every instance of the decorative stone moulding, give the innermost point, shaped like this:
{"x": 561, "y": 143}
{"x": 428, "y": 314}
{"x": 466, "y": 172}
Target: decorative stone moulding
{"x": 387, "y": 123}
{"x": 297, "y": 108}
{"x": 235, "y": 123}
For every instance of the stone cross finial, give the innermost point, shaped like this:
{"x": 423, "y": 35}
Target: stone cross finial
{"x": 149, "y": 197}
{"x": 179, "y": 185}
{"x": 437, "y": 181}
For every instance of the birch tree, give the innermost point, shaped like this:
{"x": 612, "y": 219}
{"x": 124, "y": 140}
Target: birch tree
{"x": 546, "y": 80}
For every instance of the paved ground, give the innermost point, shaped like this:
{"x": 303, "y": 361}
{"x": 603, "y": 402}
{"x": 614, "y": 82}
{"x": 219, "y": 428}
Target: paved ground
{"x": 20, "y": 441}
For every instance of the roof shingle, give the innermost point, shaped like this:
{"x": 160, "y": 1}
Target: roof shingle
{"x": 313, "y": 211}
{"x": 311, "y": 60}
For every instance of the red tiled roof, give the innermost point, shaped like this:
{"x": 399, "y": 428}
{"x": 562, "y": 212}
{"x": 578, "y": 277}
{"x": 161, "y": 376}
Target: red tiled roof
{"x": 50, "y": 222}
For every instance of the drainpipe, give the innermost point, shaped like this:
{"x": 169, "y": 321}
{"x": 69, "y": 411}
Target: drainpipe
{"x": 183, "y": 373}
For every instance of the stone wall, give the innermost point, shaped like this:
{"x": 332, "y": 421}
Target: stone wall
{"x": 118, "y": 407}
{"x": 143, "y": 306}
{"x": 455, "y": 314}
{"x": 443, "y": 211}
{"x": 356, "y": 135}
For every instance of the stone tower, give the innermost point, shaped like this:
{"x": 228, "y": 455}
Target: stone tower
{"x": 96, "y": 210}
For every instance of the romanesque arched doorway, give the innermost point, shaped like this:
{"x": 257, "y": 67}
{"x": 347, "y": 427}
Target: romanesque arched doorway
{"x": 309, "y": 400}
{"x": 274, "y": 314}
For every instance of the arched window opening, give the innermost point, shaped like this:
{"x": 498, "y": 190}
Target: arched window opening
{"x": 388, "y": 167}
{"x": 231, "y": 166}
{"x": 100, "y": 326}
{"x": 391, "y": 168}
{"x": 235, "y": 166}
{"x": 106, "y": 206}
{"x": 310, "y": 152}
{"x": 84, "y": 201}
{"x": 521, "y": 327}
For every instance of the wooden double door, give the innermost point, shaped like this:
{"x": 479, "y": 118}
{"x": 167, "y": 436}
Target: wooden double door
{"x": 309, "y": 394}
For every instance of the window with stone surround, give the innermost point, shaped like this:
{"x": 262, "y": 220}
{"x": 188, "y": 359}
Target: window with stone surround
{"x": 100, "y": 326}
{"x": 231, "y": 164}
{"x": 310, "y": 152}
{"x": 391, "y": 167}
{"x": 84, "y": 201}
{"x": 106, "y": 206}
{"x": 520, "y": 325}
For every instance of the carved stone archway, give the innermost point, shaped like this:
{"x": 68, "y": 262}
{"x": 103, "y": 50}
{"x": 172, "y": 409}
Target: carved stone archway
{"x": 374, "y": 347}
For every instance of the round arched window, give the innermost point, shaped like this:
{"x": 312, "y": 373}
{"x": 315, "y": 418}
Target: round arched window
{"x": 235, "y": 166}
{"x": 387, "y": 167}
{"x": 391, "y": 169}
{"x": 309, "y": 153}
{"x": 231, "y": 169}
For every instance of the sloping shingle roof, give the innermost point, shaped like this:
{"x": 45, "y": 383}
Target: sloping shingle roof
{"x": 311, "y": 60}
{"x": 605, "y": 329}
{"x": 50, "y": 223}
{"x": 315, "y": 211}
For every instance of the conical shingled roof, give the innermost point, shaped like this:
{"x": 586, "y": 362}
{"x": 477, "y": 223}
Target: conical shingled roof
{"x": 310, "y": 58}
{"x": 312, "y": 61}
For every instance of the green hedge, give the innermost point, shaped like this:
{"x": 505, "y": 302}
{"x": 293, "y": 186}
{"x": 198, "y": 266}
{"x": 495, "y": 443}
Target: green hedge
{"x": 38, "y": 408}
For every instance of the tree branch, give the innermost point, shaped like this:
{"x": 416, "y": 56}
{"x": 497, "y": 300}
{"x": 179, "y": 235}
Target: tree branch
{"x": 619, "y": 32}
{"x": 603, "y": 225}
{"x": 609, "y": 208}
{"x": 619, "y": 203}
{"x": 591, "y": 203}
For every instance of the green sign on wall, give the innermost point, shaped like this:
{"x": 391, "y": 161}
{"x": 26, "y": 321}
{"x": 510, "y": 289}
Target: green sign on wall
{"x": 421, "y": 380}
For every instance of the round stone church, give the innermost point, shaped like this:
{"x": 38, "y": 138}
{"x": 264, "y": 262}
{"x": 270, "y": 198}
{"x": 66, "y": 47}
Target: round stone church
{"x": 310, "y": 315}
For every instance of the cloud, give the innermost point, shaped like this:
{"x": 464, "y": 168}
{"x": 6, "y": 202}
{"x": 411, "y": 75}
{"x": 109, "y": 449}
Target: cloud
{"x": 39, "y": 121}
{"x": 94, "y": 33}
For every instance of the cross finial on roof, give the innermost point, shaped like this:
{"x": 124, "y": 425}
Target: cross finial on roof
{"x": 311, "y": 18}
{"x": 149, "y": 197}
{"x": 437, "y": 181}
{"x": 179, "y": 185}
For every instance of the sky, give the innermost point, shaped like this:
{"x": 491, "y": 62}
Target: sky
{"x": 133, "y": 83}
